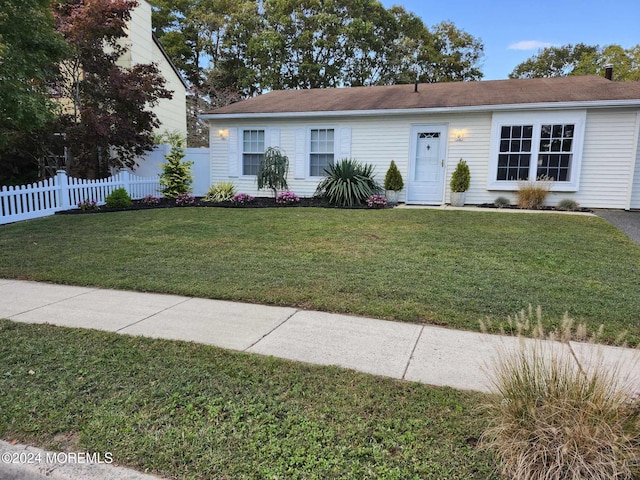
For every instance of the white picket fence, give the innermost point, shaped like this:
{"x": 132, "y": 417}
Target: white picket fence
{"x": 63, "y": 193}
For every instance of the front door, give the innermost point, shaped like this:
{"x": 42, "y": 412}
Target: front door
{"x": 426, "y": 165}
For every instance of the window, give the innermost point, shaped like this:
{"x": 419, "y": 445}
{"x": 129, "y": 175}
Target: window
{"x": 321, "y": 150}
{"x": 252, "y": 150}
{"x": 515, "y": 152}
{"x": 556, "y": 144}
{"x": 527, "y": 146}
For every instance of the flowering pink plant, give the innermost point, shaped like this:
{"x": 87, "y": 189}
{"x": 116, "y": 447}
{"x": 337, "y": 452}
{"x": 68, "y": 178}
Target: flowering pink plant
{"x": 242, "y": 199}
{"x": 88, "y": 205}
{"x": 185, "y": 199}
{"x": 377, "y": 201}
{"x": 287, "y": 197}
{"x": 150, "y": 200}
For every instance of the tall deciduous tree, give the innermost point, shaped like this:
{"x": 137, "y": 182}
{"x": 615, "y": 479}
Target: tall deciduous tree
{"x": 581, "y": 59}
{"x": 107, "y": 120}
{"x": 29, "y": 52}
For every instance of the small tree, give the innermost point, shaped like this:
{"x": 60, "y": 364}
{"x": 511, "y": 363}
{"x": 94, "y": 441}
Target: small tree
{"x": 272, "y": 170}
{"x": 393, "y": 179}
{"x": 176, "y": 177}
{"x": 461, "y": 177}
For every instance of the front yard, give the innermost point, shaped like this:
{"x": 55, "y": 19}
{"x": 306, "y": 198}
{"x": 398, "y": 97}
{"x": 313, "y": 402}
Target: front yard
{"x": 448, "y": 268}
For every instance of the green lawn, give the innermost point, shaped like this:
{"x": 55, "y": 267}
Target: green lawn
{"x": 442, "y": 267}
{"x": 191, "y": 411}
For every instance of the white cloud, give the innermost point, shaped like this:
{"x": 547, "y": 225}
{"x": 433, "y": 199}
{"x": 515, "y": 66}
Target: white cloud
{"x": 529, "y": 45}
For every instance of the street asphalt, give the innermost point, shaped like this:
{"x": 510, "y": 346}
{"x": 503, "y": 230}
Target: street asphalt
{"x": 405, "y": 351}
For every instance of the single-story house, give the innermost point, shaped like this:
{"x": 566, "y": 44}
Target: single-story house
{"x": 582, "y": 131}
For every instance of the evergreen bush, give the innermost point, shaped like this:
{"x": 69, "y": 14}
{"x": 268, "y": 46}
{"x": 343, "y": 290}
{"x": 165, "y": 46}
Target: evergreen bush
{"x": 393, "y": 179}
{"x": 118, "y": 198}
{"x": 176, "y": 177}
{"x": 461, "y": 177}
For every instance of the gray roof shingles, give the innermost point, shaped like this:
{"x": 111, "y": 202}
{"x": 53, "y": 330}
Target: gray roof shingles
{"x": 589, "y": 88}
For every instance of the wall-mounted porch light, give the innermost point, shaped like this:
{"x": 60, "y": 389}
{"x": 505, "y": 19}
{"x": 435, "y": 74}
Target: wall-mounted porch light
{"x": 223, "y": 134}
{"x": 459, "y": 134}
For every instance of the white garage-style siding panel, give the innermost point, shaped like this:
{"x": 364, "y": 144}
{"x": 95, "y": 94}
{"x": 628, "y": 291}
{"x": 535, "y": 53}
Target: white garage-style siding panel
{"x": 607, "y": 159}
{"x": 635, "y": 192}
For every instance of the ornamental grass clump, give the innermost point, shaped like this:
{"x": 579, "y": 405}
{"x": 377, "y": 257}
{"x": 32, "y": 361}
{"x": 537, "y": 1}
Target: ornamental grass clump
{"x": 553, "y": 416}
{"x": 220, "y": 192}
{"x": 348, "y": 183}
{"x": 533, "y": 193}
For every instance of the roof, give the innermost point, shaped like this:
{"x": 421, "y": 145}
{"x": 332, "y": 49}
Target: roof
{"x": 436, "y": 96}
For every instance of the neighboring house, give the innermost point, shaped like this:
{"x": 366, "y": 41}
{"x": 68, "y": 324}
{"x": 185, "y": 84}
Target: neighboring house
{"x": 582, "y": 131}
{"x": 144, "y": 47}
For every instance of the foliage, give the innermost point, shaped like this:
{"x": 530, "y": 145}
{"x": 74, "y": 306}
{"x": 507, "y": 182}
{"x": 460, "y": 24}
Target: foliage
{"x": 287, "y": 198}
{"x": 460, "y": 178}
{"x": 344, "y": 259}
{"x": 107, "y": 119}
{"x": 552, "y": 417}
{"x": 242, "y": 199}
{"x": 220, "y": 192}
{"x": 87, "y": 205}
{"x": 568, "y": 205}
{"x": 150, "y": 200}
{"x": 185, "y": 199}
{"x": 393, "y": 178}
{"x": 348, "y": 183}
{"x": 272, "y": 170}
{"x": 532, "y": 194}
{"x": 581, "y": 59}
{"x": 377, "y": 201}
{"x": 176, "y": 177}
{"x": 118, "y": 198}
{"x": 502, "y": 202}
{"x": 30, "y": 50}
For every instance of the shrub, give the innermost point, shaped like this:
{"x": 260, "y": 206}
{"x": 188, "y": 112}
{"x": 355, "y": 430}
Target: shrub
{"x": 87, "y": 205}
{"x": 242, "y": 199}
{"x": 377, "y": 201}
{"x": 287, "y": 198}
{"x": 184, "y": 199}
{"x": 568, "y": 205}
{"x": 532, "y": 194}
{"x": 176, "y": 177}
{"x": 348, "y": 183}
{"x": 501, "y": 202}
{"x": 461, "y": 177}
{"x": 118, "y": 198}
{"x": 551, "y": 418}
{"x": 393, "y": 179}
{"x": 150, "y": 201}
{"x": 272, "y": 170}
{"x": 220, "y": 192}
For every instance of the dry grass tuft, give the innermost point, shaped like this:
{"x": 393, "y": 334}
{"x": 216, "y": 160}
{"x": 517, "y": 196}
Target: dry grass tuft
{"x": 532, "y": 194}
{"x": 551, "y": 418}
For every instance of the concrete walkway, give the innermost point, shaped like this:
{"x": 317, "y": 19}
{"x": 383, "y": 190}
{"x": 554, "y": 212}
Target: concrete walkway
{"x": 426, "y": 354}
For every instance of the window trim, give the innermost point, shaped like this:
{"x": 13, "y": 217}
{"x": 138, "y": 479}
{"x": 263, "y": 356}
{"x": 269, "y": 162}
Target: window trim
{"x": 336, "y": 133}
{"x": 241, "y": 151}
{"x": 537, "y": 119}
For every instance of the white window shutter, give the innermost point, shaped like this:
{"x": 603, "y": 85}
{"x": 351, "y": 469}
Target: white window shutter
{"x": 300, "y": 158}
{"x": 274, "y": 137}
{"x": 344, "y": 143}
{"x": 232, "y": 151}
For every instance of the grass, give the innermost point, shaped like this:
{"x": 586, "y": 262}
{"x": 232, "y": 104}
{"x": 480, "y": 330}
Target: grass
{"x": 449, "y": 268}
{"x": 190, "y": 411}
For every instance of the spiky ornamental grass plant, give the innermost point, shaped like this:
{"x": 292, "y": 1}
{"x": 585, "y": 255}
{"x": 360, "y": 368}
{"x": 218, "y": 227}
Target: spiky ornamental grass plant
{"x": 348, "y": 183}
{"x": 272, "y": 170}
{"x": 552, "y": 417}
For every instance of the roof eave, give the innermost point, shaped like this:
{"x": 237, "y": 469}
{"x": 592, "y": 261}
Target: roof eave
{"x": 406, "y": 111}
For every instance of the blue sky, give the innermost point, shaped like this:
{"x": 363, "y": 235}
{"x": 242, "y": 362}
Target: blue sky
{"x": 512, "y": 31}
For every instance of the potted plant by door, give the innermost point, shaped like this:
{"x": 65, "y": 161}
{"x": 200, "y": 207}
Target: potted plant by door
{"x": 459, "y": 183}
{"x": 393, "y": 183}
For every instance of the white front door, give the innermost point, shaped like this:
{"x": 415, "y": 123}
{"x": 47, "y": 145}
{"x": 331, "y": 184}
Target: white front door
{"x": 426, "y": 165}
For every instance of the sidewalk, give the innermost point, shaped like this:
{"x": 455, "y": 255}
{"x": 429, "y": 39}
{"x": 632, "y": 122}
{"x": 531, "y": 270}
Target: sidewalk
{"x": 420, "y": 353}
